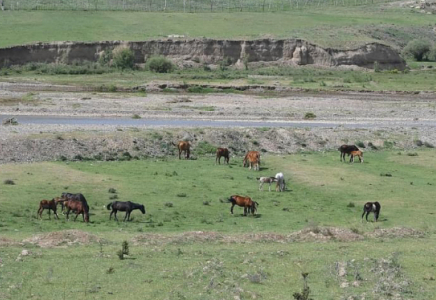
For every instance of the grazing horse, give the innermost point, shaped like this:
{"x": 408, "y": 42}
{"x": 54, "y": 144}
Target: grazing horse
{"x": 358, "y": 154}
{"x": 124, "y": 206}
{"x": 183, "y": 146}
{"x": 50, "y": 205}
{"x": 78, "y": 207}
{"x": 281, "y": 185}
{"x": 245, "y": 202}
{"x": 252, "y": 158}
{"x": 76, "y": 197}
{"x": 347, "y": 149}
{"x": 373, "y": 207}
{"x": 222, "y": 152}
{"x": 263, "y": 180}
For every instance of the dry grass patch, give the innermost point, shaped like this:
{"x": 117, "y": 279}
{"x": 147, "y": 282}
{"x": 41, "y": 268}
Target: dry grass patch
{"x": 63, "y": 238}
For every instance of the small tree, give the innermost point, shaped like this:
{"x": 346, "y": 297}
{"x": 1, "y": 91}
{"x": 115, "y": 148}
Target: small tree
{"x": 417, "y": 49}
{"x": 123, "y": 58}
{"x": 304, "y": 295}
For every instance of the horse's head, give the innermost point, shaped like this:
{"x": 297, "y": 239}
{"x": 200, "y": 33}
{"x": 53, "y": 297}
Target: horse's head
{"x": 142, "y": 209}
{"x": 86, "y": 217}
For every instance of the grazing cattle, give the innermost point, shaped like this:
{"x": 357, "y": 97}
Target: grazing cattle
{"x": 78, "y": 207}
{"x": 124, "y": 206}
{"x": 263, "y": 180}
{"x": 50, "y": 205}
{"x": 184, "y": 146}
{"x": 222, "y": 152}
{"x": 281, "y": 185}
{"x": 252, "y": 158}
{"x": 373, "y": 207}
{"x": 347, "y": 149}
{"x": 358, "y": 154}
{"x": 245, "y": 202}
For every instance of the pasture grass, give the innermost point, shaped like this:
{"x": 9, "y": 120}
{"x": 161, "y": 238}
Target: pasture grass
{"x": 308, "y": 77}
{"x": 331, "y": 26}
{"x": 320, "y": 189}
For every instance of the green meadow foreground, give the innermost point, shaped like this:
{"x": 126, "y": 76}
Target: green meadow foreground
{"x": 189, "y": 246}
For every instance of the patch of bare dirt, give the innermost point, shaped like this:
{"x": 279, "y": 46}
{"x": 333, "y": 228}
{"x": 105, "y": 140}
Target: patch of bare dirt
{"x": 4, "y": 242}
{"x": 62, "y": 239}
{"x": 321, "y": 234}
{"x": 310, "y": 234}
{"x": 396, "y": 232}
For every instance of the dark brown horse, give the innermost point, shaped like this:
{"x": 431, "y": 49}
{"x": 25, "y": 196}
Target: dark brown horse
{"x": 373, "y": 207}
{"x": 222, "y": 152}
{"x": 77, "y": 207}
{"x": 245, "y": 202}
{"x": 124, "y": 206}
{"x": 347, "y": 149}
{"x": 50, "y": 205}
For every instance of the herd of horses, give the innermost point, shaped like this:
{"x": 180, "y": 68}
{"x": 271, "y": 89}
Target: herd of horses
{"x": 77, "y": 203}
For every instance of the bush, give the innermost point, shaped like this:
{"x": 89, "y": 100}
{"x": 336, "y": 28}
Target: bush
{"x": 418, "y": 49}
{"x": 431, "y": 55}
{"x": 309, "y": 116}
{"x": 9, "y": 182}
{"x": 123, "y": 58}
{"x": 160, "y": 65}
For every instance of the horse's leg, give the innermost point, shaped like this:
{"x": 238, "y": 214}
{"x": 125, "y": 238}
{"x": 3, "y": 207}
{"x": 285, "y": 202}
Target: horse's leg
{"x": 363, "y": 214}
{"x": 83, "y": 216}
{"x": 110, "y": 217}
{"x": 180, "y": 152}
{"x": 367, "y": 213}
{"x": 49, "y": 214}
{"x": 261, "y": 186}
{"x": 115, "y": 215}
{"x": 56, "y": 215}
{"x": 39, "y": 212}
{"x": 269, "y": 186}
{"x": 187, "y": 153}
{"x": 77, "y": 214}
{"x": 231, "y": 209}
{"x": 68, "y": 213}
{"x": 245, "y": 211}
{"x": 125, "y": 217}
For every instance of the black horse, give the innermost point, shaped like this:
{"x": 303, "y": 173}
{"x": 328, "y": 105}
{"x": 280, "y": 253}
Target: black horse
{"x": 373, "y": 207}
{"x": 75, "y": 197}
{"x": 124, "y": 206}
{"x": 347, "y": 149}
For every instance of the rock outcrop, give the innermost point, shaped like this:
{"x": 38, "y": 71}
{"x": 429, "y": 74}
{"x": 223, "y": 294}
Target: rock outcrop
{"x": 207, "y": 51}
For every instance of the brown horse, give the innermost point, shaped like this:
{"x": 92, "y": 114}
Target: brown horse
{"x": 50, "y": 205}
{"x": 358, "y": 153}
{"x": 222, "y": 152}
{"x": 252, "y": 158}
{"x": 245, "y": 202}
{"x": 185, "y": 147}
{"x": 78, "y": 207}
{"x": 347, "y": 149}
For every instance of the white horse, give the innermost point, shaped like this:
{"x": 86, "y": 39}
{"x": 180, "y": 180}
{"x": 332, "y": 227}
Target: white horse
{"x": 263, "y": 180}
{"x": 281, "y": 185}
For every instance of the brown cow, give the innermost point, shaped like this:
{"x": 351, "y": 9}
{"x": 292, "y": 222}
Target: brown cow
{"x": 245, "y": 202}
{"x": 50, "y": 205}
{"x": 183, "y": 146}
{"x": 222, "y": 152}
{"x": 347, "y": 149}
{"x": 358, "y": 154}
{"x": 252, "y": 158}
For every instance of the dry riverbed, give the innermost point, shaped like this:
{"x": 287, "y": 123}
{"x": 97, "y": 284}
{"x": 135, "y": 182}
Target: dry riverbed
{"x": 284, "y": 123}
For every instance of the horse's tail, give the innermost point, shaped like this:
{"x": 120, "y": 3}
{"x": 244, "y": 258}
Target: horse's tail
{"x": 109, "y": 206}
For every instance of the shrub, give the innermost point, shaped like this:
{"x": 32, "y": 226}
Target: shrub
{"x": 123, "y": 58}
{"x": 351, "y": 204}
{"x": 309, "y": 116}
{"x": 431, "y": 55}
{"x": 418, "y": 49}
{"x": 112, "y": 190}
{"x": 105, "y": 57}
{"x": 360, "y": 144}
{"x": 376, "y": 67}
{"x": 169, "y": 204}
{"x": 9, "y": 181}
{"x": 160, "y": 65}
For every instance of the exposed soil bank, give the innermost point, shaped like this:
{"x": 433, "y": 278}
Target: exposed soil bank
{"x": 197, "y": 52}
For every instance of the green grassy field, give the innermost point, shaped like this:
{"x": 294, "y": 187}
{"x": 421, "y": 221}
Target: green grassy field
{"x": 327, "y": 26}
{"x": 304, "y": 77}
{"x": 167, "y": 264}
